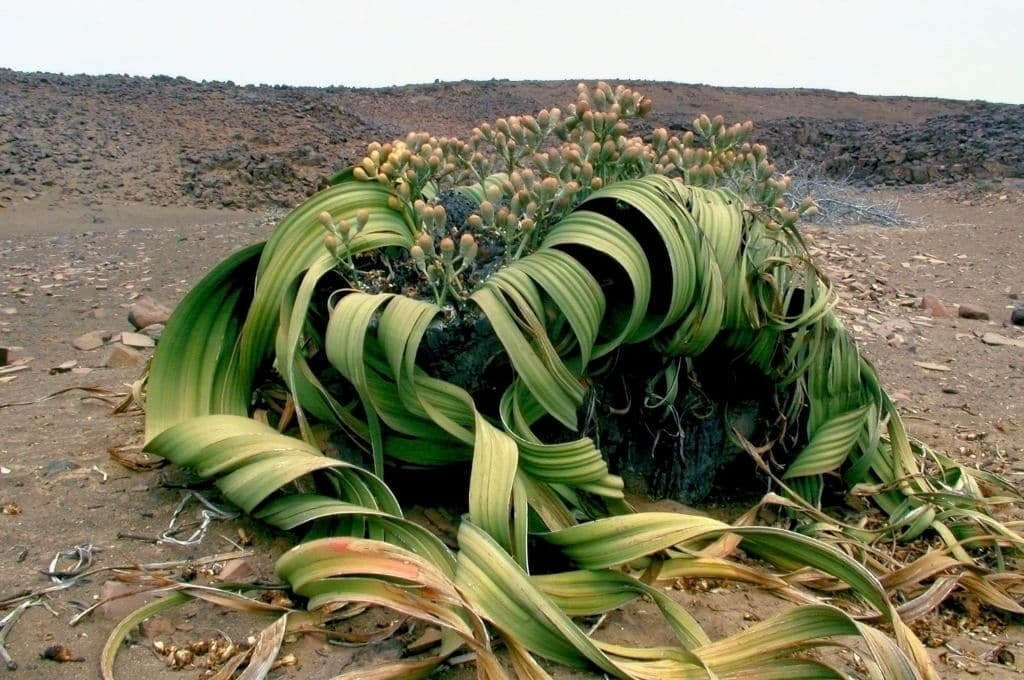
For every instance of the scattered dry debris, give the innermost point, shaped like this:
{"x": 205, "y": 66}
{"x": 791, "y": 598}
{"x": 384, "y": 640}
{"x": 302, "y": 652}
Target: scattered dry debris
{"x": 929, "y": 366}
{"x": 7, "y": 623}
{"x": 61, "y": 654}
{"x": 64, "y": 367}
{"x": 134, "y": 458}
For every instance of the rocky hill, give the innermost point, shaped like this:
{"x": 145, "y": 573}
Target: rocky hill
{"x": 172, "y": 141}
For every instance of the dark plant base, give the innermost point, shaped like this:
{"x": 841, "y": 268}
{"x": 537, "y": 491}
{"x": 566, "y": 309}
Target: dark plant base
{"x": 680, "y": 450}
{"x": 679, "y": 459}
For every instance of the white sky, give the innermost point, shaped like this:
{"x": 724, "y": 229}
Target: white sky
{"x": 959, "y": 49}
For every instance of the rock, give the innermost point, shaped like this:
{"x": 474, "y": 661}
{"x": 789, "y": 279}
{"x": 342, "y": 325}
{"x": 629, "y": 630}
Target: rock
{"x": 63, "y": 367}
{"x": 90, "y": 341}
{"x": 934, "y": 306}
{"x": 236, "y": 570}
{"x": 137, "y": 339}
{"x": 123, "y": 357}
{"x": 146, "y": 311}
{"x": 121, "y": 599}
{"x": 897, "y": 156}
{"x": 892, "y": 327}
{"x": 156, "y": 626}
{"x": 996, "y": 339}
{"x": 969, "y": 311}
{"x": 430, "y": 638}
{"x": 901, "y": 397}
{"x": 921, "y": 174}
{"x": 896, "y": 340}
{"x": 58, "y": 465}
{"x": 154, "y": 331}
{"x": 1017, "y": 315}
{"x": 929, "y": 366}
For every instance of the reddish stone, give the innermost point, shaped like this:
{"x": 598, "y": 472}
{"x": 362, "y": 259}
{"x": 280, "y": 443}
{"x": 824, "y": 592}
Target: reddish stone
{"x": 934, "y": 306}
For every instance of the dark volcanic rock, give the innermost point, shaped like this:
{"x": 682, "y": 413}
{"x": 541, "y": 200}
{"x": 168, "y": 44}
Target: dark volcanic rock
{"x": 982, "y": 143}
{"x": 167, "y": 141}
{"x": 1017, "y": 315}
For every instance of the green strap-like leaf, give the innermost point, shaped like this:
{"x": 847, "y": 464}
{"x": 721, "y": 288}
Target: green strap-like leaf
{"x": 495, "y": 460}
{"x": 612, "y": 245}
{"x": 574, "y": 291}
{"x": 829, "y": 446}
{"x": 188, "y": 373}
{"x": 537, "y": 374}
